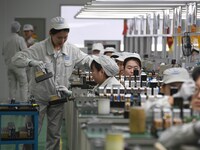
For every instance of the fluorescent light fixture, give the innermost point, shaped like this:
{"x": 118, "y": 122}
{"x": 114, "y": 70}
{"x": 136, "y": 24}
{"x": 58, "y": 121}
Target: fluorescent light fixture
{"x": 130, "y": 8}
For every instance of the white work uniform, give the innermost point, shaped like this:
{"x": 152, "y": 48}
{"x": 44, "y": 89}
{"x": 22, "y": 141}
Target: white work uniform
{"x": 109, "y": 82}
{"x": 61, "y": 65}
{"x": 14, "y": 44}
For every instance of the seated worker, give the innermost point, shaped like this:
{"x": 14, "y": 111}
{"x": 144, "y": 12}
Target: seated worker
{"x": 173, "y": 79}
{"x": 109, "y": 51}
{"x": 103, "y": 70}
{"x": 132, "y": 61}
{"x": 188, "y": 133}
{"x": 97, "y": 48}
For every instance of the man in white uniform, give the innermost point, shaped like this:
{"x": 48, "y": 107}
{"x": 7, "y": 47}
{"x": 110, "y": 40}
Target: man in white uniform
{"x": 59, "y": 57}
{"x": 28, "y": 33}
{"x": 16, "y": 76}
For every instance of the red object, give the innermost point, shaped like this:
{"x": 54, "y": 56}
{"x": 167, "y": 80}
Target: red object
{"x": 125, "y": 30}
{"x": 169, "y": 40}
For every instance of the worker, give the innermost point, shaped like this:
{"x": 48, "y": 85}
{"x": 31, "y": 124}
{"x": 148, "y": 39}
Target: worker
{"x": 16, "y": 76}
{"x": 97, "y": 49}
{"x": 103, "y": 70}
{"x": 173, "y": 77}
{"x": 28, "y": 31}
{"x": 176, "y": 79}
{"x": 188, "y": 133}
{"x": 58, "y": 56}
{"x": 120, "y": 60}
{"x": 109, "y": 51}
{"x": 132, "y": 61}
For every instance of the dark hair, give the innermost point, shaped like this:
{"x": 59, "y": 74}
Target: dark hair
{"x": 54, "y": 31}
{"x": 132, "y": 58}
{"x": 97, "y": 66}
{"x": 196, "y": 73}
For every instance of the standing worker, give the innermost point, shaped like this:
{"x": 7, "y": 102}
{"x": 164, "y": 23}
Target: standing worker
{"x": 59, "y": 57}
{"x": 14, "y": 44}
{"x": 28, "y": 34}
{"x": 28, "y": 31}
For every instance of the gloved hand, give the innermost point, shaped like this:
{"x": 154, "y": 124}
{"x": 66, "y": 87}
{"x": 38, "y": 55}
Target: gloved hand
{"x": 187, "y": 89}
{"x": 36, "y": 63}
{"x": 176, "y": 136}
{"x": 65, "y": 90}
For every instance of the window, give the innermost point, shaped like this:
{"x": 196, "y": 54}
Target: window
{"x": 91, "y": 29}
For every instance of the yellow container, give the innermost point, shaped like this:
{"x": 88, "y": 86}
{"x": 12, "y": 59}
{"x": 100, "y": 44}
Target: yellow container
{"x": 137, "y": 122}
{"x": 114, "y": 141}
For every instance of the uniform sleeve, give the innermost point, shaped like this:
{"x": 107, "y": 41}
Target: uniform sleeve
{"x": 83, "y": 58}
{"x": 21, "y": 59}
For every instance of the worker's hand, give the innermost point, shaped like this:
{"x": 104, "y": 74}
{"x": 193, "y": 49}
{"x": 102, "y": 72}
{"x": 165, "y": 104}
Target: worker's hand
{"x": 65, "y": 90}
{"x": 35, "y": 63}
{"x": 187, "y": 89}
{"x": 178, "y": 135}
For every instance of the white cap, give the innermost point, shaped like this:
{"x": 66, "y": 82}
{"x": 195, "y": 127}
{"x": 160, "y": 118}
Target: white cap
{"x": 116, "y": 54}
{"x": 123, "y": 56}
{"x": 59, "y": 23}
{"x": 120, "y": 58}
{"x": 133, "y": 55}
{"x": 175, "y": 75}
{"x": 15, "y": 27}
{"x": 97, "y": 46}
{"x": 28, "y": 27}
{"x": 108, "y": 64}
{"x": 109, "y": 49}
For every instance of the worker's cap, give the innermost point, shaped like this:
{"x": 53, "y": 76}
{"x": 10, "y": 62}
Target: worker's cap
{"x": 175, "y": 75}
{"x": 27, "y": 27}
{"x": 116, "y": 55}
{"x": 97, "y": 46}
{"x": 136, "y": 56}
{"x": 59, "y": 23}
{"x": 120, "y": 58}
{"x": 195, "y": 50}
{"x": 15, "y": 27}
{"x": 108, "y": 64}
{"x": 109, "y": 49}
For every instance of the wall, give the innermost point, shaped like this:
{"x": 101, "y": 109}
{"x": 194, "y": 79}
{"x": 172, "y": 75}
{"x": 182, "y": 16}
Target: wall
{"x": 10, "y": 9}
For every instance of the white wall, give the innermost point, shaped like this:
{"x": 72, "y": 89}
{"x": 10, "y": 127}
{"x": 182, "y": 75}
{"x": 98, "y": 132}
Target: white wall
{"x": 11, "y": 9}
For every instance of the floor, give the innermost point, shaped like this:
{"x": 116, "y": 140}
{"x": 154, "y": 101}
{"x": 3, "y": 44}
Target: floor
{"x": 41, "y": 138}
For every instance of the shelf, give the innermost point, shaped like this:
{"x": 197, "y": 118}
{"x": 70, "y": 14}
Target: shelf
{"x": 33, "y": 140}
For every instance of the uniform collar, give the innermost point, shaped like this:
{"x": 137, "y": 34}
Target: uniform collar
{"x": 50, "y": 48}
